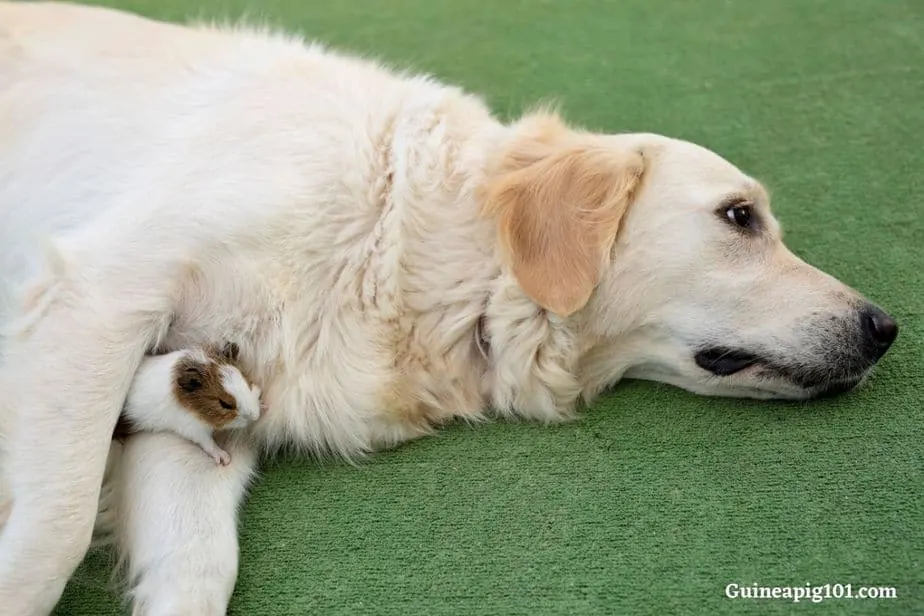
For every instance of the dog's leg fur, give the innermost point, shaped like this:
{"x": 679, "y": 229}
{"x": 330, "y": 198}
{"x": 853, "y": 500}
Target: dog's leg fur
{"x": 65, "y": 376}
{"x": 64, "y": 404}
{"x": 175, "y": 516}
{"x": 66, "y": 373}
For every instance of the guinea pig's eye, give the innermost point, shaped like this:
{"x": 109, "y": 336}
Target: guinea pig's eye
{"x": 228, "y": 406}
{"x": 739, "y": 215}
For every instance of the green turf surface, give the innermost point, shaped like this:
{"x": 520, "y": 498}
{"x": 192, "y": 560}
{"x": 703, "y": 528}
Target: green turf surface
{"x": 657, "y": 499}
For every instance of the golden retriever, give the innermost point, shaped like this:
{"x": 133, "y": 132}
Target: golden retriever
{"x": 387, "y": 255}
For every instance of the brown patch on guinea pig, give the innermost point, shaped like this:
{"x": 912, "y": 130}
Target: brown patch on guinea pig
{"x": 197, "y": 386}
{"x": 228, "y": 354}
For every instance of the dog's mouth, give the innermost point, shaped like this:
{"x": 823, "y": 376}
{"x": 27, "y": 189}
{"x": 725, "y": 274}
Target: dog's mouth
{"x": 724, "y": 361}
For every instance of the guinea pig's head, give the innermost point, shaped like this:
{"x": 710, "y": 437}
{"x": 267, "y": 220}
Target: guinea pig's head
{"x": 210, "y": 383}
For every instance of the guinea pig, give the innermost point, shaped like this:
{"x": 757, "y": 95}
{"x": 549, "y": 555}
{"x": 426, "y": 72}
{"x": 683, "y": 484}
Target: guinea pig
{"x": 193, "y": 393}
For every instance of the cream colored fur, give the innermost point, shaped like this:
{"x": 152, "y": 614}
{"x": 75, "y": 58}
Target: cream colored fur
{"x": 357, "y": 232}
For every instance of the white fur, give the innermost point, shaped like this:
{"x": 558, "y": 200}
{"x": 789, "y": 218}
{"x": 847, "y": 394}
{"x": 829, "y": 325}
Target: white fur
{"x": 186, "y": 562}
{"x": 207, "y": 185}
{"x": 151, "y": 404}
{"x": 245, "y": 394}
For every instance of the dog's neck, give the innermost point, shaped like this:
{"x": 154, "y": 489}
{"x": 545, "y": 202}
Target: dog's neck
{"x": 531, "y": 356}
{"x": 516, "y": 359}
{"x": 482, "y": 340}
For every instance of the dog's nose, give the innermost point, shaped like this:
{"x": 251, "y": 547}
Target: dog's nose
{"x": 879, "y": 329}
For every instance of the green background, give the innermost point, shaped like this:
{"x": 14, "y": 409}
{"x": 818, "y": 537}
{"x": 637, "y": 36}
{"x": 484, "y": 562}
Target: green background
{"x": 656, "y": 499}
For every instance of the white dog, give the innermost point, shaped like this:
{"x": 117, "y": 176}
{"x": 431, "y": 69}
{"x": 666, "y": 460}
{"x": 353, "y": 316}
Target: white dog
{"x": 385, "y": 253}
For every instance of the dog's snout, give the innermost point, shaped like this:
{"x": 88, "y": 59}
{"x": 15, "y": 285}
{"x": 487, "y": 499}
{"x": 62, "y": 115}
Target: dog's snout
{"x": 879, "y": 329}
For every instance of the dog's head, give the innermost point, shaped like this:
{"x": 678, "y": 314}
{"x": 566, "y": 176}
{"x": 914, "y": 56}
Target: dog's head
{"x": 669, "y": 263}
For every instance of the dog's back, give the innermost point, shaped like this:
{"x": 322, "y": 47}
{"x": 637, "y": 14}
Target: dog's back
{"x": 362, "y": 179}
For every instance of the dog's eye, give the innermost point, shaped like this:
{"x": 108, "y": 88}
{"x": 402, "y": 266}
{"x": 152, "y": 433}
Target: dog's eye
{"x": 740, "y": 215}
{"x": 226, "y": 405}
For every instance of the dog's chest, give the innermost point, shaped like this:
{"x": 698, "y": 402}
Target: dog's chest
{"x": 305, "y": 338}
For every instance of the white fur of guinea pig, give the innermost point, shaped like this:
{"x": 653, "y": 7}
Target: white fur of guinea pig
{"x": 210, "y": 384}
{"x": 192, "y": 392}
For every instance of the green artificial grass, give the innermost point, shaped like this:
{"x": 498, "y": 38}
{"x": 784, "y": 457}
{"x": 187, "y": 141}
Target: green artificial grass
{"x": 656, "y": 499}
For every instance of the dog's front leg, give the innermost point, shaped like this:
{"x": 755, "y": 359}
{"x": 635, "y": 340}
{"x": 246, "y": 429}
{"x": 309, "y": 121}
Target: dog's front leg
{"x": 64, "y": 381}
{"x": 175, "y": 517}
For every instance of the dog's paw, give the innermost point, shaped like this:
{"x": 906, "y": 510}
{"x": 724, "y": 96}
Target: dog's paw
{"x": 176, "y": 606}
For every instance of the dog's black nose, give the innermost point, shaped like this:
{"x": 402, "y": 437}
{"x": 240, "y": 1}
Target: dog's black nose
{"x": 879, "y": 329}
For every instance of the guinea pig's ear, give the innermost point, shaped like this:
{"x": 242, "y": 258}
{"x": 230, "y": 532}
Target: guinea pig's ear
{"x": 558, "y": 197}
{"x": 191, "y": 379}
{"x": 230, "y": 351}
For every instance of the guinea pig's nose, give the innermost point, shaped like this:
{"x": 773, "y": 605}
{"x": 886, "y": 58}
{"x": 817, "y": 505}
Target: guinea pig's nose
{"x": 879, "y": 329}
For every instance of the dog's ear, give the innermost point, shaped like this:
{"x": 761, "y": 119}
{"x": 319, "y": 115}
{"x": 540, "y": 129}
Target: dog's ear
{"x": 558, "y": 198}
